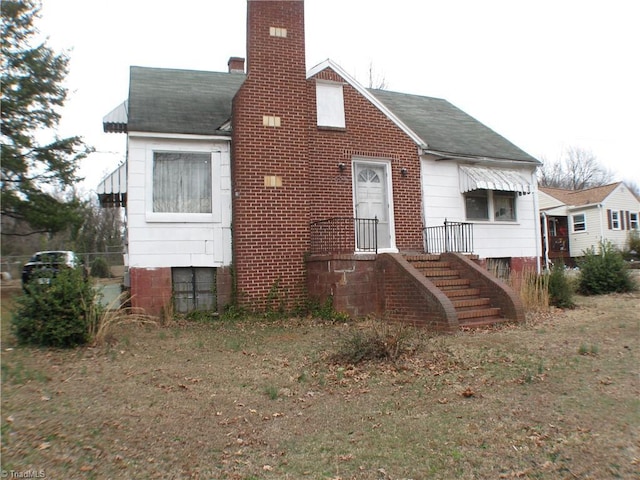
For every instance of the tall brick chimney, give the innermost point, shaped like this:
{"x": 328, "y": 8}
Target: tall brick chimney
{"x": 270, "y": 159}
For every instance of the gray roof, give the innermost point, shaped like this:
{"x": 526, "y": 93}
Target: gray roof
{"x": 197, "y": 102}
{"x": 180, "y": 101}
{"x": 448, "y": 129}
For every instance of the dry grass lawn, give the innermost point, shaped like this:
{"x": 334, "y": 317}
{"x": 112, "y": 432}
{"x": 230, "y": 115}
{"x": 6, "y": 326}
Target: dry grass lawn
{"x": 555, "y": 398}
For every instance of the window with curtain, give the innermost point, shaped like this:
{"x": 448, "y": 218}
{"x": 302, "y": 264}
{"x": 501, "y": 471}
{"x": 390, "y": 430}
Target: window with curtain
{"x": 182, "y": 182}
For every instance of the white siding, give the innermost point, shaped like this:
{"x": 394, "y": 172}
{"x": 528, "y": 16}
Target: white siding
{"x": 621, "y": 200}
{"x": 443, "y": 200}
{"x": 153, "y": 243}
{"x": 581, "y": 241}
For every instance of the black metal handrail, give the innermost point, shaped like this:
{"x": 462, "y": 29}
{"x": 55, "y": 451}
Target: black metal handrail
{"x": 344, "y": 235}
{"x": 450, "y": 237}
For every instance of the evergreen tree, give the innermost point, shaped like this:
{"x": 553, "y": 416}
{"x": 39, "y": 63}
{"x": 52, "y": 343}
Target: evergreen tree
{"x": 37, "y": 175}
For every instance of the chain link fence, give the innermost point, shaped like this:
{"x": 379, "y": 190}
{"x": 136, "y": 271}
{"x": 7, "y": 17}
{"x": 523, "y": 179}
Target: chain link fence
{"x": 11, "y": 265}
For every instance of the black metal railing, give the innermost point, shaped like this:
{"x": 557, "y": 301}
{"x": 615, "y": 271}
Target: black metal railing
{"x": 344, "y": 235}
{"x": 450, "y": 237}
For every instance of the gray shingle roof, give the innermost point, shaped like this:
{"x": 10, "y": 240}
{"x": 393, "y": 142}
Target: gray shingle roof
{"x": 448, "y": 129}
{"x": 197, "y": 102}
{"x": 180, "y": 101}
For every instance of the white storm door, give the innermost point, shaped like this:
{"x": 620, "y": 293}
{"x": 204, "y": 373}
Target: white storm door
{"x": 371, "y": 202}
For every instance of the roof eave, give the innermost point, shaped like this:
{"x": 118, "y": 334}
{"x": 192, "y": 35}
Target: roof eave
{"x": 442, "y": 155}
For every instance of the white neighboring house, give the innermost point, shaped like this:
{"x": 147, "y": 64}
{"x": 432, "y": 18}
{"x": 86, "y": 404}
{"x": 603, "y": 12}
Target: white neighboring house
{"x": 575, "y": 220}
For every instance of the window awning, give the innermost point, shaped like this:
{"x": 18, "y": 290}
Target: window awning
{"x": 116, "y": 120}
{"x": 112, "y": 190}
{"x": 487, "y": 178}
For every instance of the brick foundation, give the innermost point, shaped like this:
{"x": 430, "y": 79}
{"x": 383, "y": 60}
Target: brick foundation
{"x": 349, "y": 280}
{"x": 150, "y": 290}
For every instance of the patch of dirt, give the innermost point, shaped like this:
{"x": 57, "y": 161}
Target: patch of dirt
{"x": 554, "y": 398}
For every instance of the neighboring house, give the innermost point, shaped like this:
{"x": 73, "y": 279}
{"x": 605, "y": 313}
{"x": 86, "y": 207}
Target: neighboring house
{"x": 574, "y": 221}
{"x": 243, "y": 181}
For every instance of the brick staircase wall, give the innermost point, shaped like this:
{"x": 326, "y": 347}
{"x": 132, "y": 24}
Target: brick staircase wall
{"x": 407, "y": 296}
{"x": 489, "y": 286}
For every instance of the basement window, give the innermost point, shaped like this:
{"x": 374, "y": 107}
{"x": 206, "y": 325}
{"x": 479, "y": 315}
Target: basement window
{"x": 194, "y": 289}
{"x": 330, "y": 104}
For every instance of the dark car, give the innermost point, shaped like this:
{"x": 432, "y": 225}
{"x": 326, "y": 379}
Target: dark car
{"x": 44, "y": 266}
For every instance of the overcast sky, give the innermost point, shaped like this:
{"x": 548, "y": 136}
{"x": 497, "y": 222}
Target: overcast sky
{"x": 545, "y": 74}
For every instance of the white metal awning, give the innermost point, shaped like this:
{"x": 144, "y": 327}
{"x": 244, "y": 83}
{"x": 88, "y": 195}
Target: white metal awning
{"x": 488, "y": 178}
{"x": 116, "y": 120}
{"x": 112, "y": 190}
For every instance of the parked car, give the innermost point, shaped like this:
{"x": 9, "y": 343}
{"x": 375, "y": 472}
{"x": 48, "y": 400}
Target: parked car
{"x": 43, "y": 266}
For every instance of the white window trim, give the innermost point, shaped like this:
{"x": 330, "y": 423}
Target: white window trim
{"x": 634, "y": 222}
{"x": 491, "y": 208}
{"x": 615, "y": 220}
{"x": 216, "y": 169}
{"x": 330, "y": 111}
{"x": 573, "y": 222}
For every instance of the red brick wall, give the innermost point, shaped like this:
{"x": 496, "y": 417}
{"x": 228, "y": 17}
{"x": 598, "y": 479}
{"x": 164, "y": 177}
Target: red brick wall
{"x": 350, "y": 281}
{"x": 271, "y": 224}
{"x": 151, "y": 288}
{"x": 369, "y": 134}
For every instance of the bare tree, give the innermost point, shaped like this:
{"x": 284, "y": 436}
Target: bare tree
{"x": 634, "y": 187}
{"x": 376, "y": 80}
{"x": 577, "y": 169}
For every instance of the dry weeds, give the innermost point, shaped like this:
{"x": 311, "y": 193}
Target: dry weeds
{"x": 555, "y": 398}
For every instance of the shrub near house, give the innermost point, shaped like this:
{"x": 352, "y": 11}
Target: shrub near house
{"x": 58, "y": 314}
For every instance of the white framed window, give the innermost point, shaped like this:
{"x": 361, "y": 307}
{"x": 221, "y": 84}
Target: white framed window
{"x": 579, "y": 222}
{"x": 633, "y": 221}
{"x": 479, "y": 203}
{"x": 476, "y": 203}
{"x": 182, "y": 182}
{"x": 614, "y": 219}
{"x": 504, "y": 206}
{"x": 330, "y": 104}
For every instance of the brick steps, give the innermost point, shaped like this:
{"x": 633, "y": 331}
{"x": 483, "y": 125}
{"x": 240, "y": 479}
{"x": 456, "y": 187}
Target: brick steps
{"x": 473, "y": 310}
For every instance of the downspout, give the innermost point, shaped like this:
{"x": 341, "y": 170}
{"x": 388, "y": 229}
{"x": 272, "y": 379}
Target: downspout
{"x": 601, "y": 225}
{"x": 536, "y": 216}
{"x": 546, "y": 240}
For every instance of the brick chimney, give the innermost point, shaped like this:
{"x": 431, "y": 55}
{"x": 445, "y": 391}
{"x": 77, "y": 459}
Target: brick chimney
{"x": 236, "y": 65}
{"x": 270, "y": 159}
{"x": 275, "y": 36}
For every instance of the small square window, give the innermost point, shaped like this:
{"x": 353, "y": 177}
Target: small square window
{"x": 579, "y": 223}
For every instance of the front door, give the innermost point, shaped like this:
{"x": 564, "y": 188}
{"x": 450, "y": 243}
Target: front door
{"x": 372, "y": 202}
